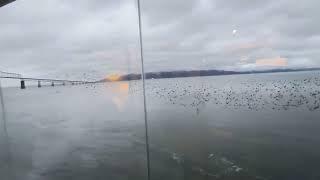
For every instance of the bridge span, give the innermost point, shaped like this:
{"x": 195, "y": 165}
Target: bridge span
{"x": 9, "y": 75}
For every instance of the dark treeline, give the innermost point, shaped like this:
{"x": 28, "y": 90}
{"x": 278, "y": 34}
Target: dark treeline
{"x": 194, "y": 73}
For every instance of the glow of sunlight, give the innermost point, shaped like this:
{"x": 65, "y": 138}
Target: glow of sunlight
{"x": 113, "y": 77}
{"x": 277, "y": 61}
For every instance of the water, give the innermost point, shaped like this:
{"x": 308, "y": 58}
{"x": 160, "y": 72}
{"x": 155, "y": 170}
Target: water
{"x": 262, "y": 126}
{"x": 76, "y": 132}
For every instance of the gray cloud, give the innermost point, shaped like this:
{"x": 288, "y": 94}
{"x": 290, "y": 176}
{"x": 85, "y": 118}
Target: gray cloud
{"x": 57, "y": 38}
{"x": 265, "y": 29}
{"x": 60, "y": 37}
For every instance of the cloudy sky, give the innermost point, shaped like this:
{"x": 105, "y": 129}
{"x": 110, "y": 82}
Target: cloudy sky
{"x": 89, "y": 39}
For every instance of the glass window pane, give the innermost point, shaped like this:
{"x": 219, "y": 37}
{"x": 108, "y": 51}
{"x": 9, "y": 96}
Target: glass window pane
{"x": 69, "y": 113}
{"x": 232, "y": 89}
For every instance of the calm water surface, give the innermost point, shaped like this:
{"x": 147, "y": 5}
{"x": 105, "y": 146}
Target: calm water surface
{"x": 262, "y": 126}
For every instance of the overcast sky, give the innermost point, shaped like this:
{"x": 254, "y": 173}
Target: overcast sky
{"x": 89, "y": 39}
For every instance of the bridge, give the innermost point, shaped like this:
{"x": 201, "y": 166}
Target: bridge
{"x": 10, "y": 75}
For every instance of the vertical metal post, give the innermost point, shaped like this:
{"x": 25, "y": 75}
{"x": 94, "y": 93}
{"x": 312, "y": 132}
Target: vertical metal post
{"x": 39, "y": 84}
{"x": 22, "y": 84}
{"x": 144, "y": 91}
{"x": 5, "y": 151}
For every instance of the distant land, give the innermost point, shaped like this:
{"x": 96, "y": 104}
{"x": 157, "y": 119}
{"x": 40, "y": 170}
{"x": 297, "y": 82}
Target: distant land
{"x": 195, "y": 73}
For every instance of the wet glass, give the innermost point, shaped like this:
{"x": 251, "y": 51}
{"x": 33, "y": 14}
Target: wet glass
{"x": 68, "y": 113}
{"x": 233, "y": 89}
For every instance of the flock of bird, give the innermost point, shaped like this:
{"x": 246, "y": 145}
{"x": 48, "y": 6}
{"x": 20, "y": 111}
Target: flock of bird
{"x": 275, "y": 94}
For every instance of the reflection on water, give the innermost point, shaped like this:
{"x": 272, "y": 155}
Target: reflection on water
{"x": 262, "y": 126}
{"x": 76, "y": 132}
{"x": 120, "y": 92}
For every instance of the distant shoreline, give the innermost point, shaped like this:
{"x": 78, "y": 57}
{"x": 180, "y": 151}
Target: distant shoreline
{"x": 199, "y": 73}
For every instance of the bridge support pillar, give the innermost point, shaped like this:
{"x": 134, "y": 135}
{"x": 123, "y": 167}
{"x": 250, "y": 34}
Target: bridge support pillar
{"x": 22, "y": 84}
{"x": 52, "y": 84}
{"x": 39, "y": 84}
